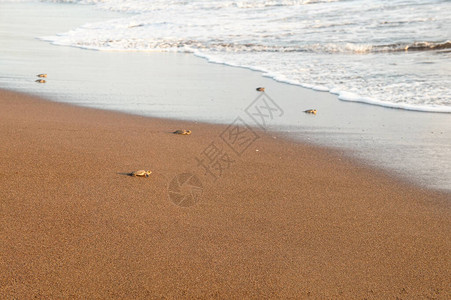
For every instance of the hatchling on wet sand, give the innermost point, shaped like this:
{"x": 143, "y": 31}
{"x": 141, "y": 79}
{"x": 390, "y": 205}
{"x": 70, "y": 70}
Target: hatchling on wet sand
{"x": 310, "y": 111}
{"x": 182, "y": 131}
{"x": 141, "y": 173}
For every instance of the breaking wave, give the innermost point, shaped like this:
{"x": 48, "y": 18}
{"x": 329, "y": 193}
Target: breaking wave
{"x": 338, "y": 45}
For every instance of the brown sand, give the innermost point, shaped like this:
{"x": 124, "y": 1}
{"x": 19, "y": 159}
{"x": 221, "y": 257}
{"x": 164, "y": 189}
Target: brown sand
{"x": 288, "y": 220}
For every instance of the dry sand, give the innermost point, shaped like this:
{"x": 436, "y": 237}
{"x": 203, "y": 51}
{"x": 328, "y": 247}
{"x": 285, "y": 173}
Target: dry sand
{"x": 288, "y": 220}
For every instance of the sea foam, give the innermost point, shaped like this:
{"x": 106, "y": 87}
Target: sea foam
{"x": 389, "y": 54}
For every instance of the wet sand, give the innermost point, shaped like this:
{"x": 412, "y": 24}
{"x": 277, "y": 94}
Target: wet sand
{"x": 288, "y": 220}
{"x": 181, "y": 86}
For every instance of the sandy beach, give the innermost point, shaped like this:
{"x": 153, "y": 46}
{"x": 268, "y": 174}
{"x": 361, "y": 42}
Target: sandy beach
{"x": 288, "y": 220}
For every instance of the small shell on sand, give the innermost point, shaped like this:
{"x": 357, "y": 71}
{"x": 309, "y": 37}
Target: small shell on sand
{"x": 310, "y": 111}
{"x": 260, "y": 89}
{"x": 40, "y": 81}
{"x": 42, "y": 75}
{"x": 182, "y": 131}
{"x": 141, "y": 173}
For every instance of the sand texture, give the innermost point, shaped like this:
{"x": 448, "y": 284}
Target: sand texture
{"x": 285, "y": 221}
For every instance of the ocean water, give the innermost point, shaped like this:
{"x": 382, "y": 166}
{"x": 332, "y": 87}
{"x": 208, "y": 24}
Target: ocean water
{"x": 394, "y": 53}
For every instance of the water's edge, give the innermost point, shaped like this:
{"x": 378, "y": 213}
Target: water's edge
{"x": 411, "y": 145}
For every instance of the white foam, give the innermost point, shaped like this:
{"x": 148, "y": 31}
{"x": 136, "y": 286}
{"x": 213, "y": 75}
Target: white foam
{"x": 347, "y": 96}
{"x": 299, "y": 42}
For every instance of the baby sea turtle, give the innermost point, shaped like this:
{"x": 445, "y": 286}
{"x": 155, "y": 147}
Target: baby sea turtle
{"x": 260, "y": 89}
{"x": 310, "y": 111}
{"x": 141, "y": 173}
{"x": 182, "y": 131}
{"x": 40, "y": 81}
{"x": 42, "y": 75}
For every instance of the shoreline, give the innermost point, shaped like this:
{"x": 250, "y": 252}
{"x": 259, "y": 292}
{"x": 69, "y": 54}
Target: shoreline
{"x": 347, "y": 155}
{"x": 412, "y": 145}
{"x": 340, "y": 95}
{"x": 351, "y": 90}
{"x": 289, "y": 220}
